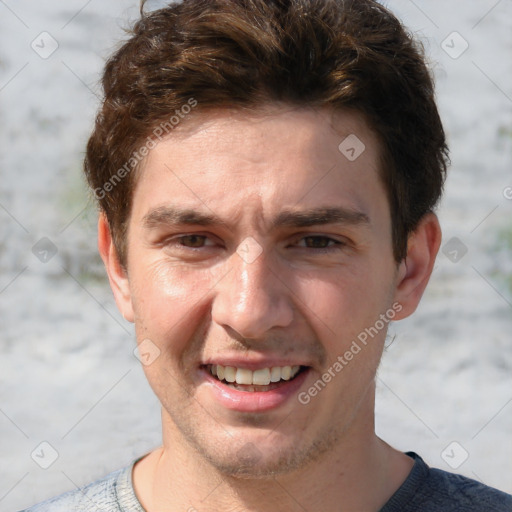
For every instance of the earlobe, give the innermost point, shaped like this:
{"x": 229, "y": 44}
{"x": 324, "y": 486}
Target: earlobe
{"x": 415, "y": 270}
{"x": 117, "y": 275}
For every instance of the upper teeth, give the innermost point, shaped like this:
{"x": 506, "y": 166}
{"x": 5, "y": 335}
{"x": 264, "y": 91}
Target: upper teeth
{"x": 261, "y": 377}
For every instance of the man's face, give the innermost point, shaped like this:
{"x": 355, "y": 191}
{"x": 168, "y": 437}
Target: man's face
{"x": 256, "y": 245}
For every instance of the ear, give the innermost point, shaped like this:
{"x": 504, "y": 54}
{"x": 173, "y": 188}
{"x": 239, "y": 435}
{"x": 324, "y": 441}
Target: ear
{"x": 416, "y": 268}
{"x": 116, "y": 273}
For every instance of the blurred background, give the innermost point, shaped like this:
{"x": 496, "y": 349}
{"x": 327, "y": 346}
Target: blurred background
{"x": 74, "y": 403}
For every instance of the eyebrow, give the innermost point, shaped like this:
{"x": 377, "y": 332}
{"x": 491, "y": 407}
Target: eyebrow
{"x": 319, "y": 216}
{"x": 173, "y": 216}
{"x": 166, "y": 215}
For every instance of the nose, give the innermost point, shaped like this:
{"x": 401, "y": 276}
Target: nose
{"x": 252, "y": 298}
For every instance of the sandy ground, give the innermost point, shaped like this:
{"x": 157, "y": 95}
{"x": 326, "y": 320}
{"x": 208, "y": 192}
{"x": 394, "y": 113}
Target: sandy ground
{"x": 67, "y": 370}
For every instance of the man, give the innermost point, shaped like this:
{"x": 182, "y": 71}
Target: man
{"x": 266, "y": 173}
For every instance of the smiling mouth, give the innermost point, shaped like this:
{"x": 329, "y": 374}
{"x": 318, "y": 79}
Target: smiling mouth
{"x": 264, "y": 379}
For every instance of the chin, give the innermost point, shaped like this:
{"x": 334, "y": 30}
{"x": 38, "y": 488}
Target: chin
{"x": 266, "y": 458}
{"x": 250, "y": 463}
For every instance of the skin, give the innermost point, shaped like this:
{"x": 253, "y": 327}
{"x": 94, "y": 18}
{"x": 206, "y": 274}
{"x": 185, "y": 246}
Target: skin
{"x": 303, "y": 300}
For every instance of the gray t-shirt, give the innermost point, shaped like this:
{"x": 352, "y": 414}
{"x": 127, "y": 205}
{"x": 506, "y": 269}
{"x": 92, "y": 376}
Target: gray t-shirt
{"x": 425, "y": 490}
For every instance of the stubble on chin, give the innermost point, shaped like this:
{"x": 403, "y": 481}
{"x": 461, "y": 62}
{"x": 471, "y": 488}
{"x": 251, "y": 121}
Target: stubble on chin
{"x": 234, "y": 458}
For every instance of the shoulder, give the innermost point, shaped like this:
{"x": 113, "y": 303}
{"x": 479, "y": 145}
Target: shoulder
{"x": 108, "y": 494}
{"x": 465, "y": 493}
{"x": 434, "y": 490}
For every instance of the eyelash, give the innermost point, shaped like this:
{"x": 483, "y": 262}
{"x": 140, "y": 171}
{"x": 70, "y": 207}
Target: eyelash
{"x": 181, "y": 237}
{"x": 337, "y": 244}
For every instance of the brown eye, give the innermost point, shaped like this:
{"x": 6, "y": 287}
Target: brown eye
{"x": 193, "y": 240}
{"x": 318, "y": 242}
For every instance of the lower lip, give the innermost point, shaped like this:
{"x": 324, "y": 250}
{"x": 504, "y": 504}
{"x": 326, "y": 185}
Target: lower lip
{"x": 254, "y": 401}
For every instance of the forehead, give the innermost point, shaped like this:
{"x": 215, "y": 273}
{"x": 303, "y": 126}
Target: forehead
{"x": 233, "y": 163}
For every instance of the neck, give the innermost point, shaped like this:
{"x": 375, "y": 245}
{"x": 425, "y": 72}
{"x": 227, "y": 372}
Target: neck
{"x": 175, "y": 477}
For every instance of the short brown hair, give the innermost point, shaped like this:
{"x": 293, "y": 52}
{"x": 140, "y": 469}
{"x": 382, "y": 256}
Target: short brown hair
{"x": 244, "y": 54}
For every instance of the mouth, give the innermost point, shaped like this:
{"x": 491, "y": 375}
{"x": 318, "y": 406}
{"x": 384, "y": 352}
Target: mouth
{"x": 250, "y": 386}
{"x": 254, "y": 381}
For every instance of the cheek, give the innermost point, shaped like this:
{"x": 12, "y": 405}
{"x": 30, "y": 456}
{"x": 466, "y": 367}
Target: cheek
{"x": 168, "y": 303}
{"x": 345, "y": 304}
